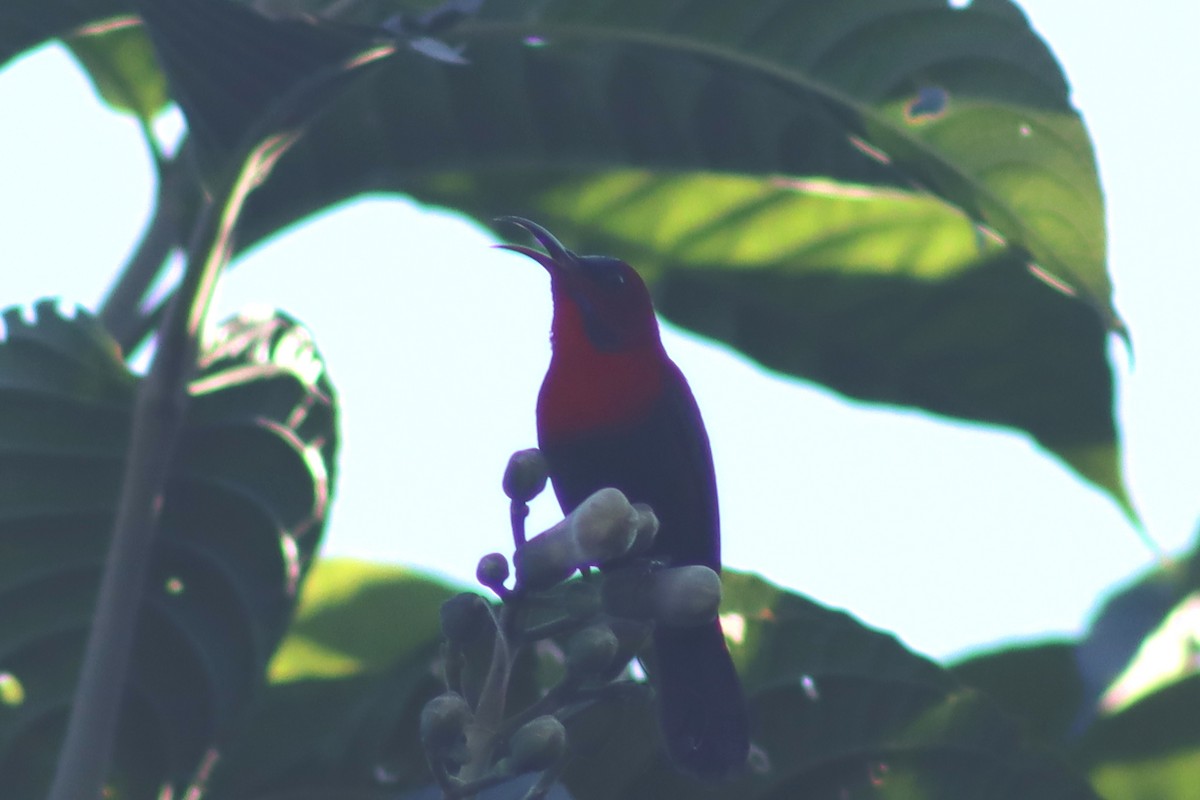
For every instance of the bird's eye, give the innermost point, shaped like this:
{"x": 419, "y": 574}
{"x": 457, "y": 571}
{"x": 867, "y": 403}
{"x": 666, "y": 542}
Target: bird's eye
{"x": 605, "y": 270}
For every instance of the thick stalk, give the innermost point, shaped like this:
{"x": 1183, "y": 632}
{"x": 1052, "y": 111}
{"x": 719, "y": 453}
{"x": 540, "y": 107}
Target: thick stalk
{"x": 158, "y": 418}
{"x": 489, "y": 711}
{"x": 87, "y": 749}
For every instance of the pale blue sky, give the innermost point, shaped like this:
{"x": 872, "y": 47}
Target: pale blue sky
{"x": 951, "y": 536}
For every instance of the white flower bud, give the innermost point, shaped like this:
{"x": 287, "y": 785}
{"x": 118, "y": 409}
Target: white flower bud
{"x": 547, "y": 559}
{"x": 601, "y": 529}
{"x": 443, "y": 723}
{"x": 677, "y": 596}
{"x": 604, "y": 527}
{"x": 525, "y": 476}
{"x": 686, "y": 596}
{"x": 591, "y": 650}
{"x": 464, "y": 617}
{"x": 537, "y": 745}
{"x": 647, "y": 528}
{"x": 492, "y": 571}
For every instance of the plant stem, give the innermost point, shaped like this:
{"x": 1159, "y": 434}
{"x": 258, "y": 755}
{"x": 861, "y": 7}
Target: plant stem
{"x": 158, "y": 418}
{"x": 120, "y": 309}
{"x": 476, "y": 786}
{"x": 489, "y": 711}
{"x": 545, "y": 782}
{"x": 517, "y": 513}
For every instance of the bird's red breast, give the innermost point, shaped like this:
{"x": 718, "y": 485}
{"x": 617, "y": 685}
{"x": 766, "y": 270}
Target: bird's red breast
{"x": 588, "y": 390}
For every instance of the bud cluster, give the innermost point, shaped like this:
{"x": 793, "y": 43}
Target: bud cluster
{"x": 598, "y": 623}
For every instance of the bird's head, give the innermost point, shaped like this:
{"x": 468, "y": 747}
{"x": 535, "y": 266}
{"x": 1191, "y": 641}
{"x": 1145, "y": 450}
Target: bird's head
{"x": 599, "y": 297}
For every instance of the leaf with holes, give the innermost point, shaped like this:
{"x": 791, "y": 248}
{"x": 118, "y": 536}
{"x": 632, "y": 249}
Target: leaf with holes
{"x": 244, "y": 508}
{"x": 894, "y": 199}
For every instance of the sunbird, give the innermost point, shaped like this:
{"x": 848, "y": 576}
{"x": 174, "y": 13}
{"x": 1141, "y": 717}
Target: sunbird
{"x": 615, "y": 411}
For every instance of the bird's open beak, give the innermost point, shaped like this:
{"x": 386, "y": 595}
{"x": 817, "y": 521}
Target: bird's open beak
{"x": 556, "y": 256}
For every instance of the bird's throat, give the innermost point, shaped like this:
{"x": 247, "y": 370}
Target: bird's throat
{"x": 591, "y": 392}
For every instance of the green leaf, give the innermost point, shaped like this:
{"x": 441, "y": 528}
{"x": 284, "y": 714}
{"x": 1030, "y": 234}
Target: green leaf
{"x": 120, "y": 61}
{"x": 25, "y": 24}
{"x": 337, "y": 630}
{"x": 839, "y": 710}
{"x": 1149, "y": 750}
{"x": 913, "y": 172}
{"x": 230, "y": 67}
{"x": 243, "y": 512}
{"x": 1124, "y": 700}
{"x": 1142, "y": 642}
{"x": 347, "y": 686}
{"x": 948, "y": 346}
{"x": 1144, "y": 638}
{"x": 775, "y": 88}
{"x": 1038, "y": 684}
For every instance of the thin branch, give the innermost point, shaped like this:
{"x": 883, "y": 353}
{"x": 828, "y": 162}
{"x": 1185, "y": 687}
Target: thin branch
{"x": 545, "y": 630}
{"x": 546, "y": 781}
{"x": 476, "y": 786}
{"x": 518, "y": 511}
{"x": 448, "y": 783}
{"x": 120, "y": 310}
{"x": 546, "y": 704}
{"x": 489, "y": 711}
{"x": 158, "y": 418}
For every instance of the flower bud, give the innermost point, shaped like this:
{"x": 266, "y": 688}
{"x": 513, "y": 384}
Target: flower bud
{"x": 547, "y": 559}
{"x": 591, "y": 650}
{"x": 647, "y": 528}
{"x": 537, "y": 745}
{"x": 605, "y": 526}
{"x": 677, "y": 596}
{"x": 464, "y": 617}
{"x": 492, "y": 571}
{"x": 601, "y": 529}
{"x": 686, "y": 596}
{"x": 443, "y": 723}
{"x": 525, "y": 476}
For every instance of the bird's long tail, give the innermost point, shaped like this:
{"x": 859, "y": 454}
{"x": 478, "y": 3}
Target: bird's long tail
{"x": 701, "y": 706}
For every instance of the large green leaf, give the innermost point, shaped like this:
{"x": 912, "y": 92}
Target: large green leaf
{"x": 967, "y": 102}
{"x": 907, "y": 169}
{"x": 243, "y": 511}
{"x": 347, "y": 686}
{"x": 1123, "y": 701}
{"x": 340, "y": 718}
{"x": 227, "y": 92}
{"x": 840, "y": 711}
{"x": 1141, "y": 642}
{"x": 1038, "y": 684}
{"x": 1144, "y": 637}
{"x": 1150, "y": 750}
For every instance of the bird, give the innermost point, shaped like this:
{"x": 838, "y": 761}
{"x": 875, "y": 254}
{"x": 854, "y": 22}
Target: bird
{"x": 615, "y": 411}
